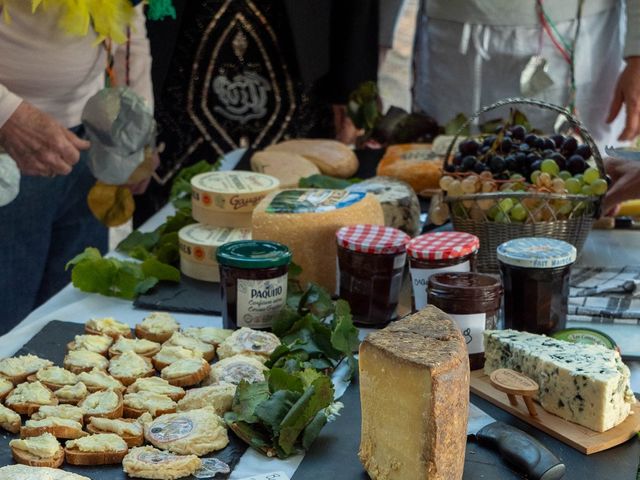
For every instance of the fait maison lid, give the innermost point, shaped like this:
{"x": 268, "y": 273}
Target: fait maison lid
{"x": 443, "y": 245}
{"x": 253, "y": 254}
{"x": 533, "y": 252}
{"x": 375, "y": 239}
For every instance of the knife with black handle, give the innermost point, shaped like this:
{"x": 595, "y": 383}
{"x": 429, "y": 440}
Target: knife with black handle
{"x": 521, "y": 451}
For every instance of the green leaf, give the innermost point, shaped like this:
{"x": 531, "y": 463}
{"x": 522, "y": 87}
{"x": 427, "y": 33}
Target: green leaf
{"x": 325, "y": 181}
{"x": 283, "y": 322}
{"x": 94, "y": 276}
{"x": 280, "y": 379}
{"x": 248, "y": 396}
{"x": 455, "y": 124}
{"x": 345, "y": 335}
{"x": 316, "y": 300}
{"x": 145, "y": 285}
{"x": 312, "y": 430}
{"x": 128, "y": 276}
{"x": 138, "y": 240}
{"x": 252, "y": 436}
{"x": 90, "y": 253}
{"x": 273, "y": 410}
{"x": 151, "y": 267}
{"x": 519, "y": 118}
{"x": 491, "y": 126}
{"x": 318, "y": 396}
{"x": 181, "y": 186}
{"x": 308, "y": 376}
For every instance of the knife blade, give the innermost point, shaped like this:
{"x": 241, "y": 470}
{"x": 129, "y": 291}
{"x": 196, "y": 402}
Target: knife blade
{"x": 523, "y": 452}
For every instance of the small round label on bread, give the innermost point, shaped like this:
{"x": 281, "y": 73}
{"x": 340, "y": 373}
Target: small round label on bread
{"x": 172, "y": 430}
{"x": 156, "y": 457}
{"x": 211, "y": 467}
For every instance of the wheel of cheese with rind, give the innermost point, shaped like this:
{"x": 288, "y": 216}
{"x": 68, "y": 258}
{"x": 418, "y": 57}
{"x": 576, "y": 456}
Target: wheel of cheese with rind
{"x": 414, "y": 393}
{"x": 306, "y": 220}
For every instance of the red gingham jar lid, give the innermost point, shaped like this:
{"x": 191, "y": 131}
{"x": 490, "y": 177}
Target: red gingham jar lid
{"x": 372, "y": 239}
{"x": 442, "y": 245}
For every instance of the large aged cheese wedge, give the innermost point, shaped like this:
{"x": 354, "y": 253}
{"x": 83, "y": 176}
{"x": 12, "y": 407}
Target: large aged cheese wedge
{"x": 414, "y": 391}
{"x": 306, "y": 220}
{"x": 330, "y": 156}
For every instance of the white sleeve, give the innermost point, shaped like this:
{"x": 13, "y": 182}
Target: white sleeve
{"x": 632, "y": 37}
{"x": 139, "y": 59}
{"x": 9, "y": 102}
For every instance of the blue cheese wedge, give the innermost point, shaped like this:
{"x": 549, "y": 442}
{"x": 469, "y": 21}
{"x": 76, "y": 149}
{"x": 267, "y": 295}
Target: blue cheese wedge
{"x": 586, "y": 384}
{"x": 399, "y": 202}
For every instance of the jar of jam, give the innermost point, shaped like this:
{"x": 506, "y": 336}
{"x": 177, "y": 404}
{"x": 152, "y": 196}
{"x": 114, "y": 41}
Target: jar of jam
{"x": 472, "y": 300}
{"x": 535, "y": 273}
{"x": 371, "y": 260}
{"x": 253, "y": 280}
{"x": 439, "y": 252}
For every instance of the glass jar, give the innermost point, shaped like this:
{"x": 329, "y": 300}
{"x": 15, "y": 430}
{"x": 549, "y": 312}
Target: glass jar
{"x": 439, "y": 252}
{"x": 371, "y": 260}
{"x": 535, "y": 273}
{"x": 472, "y": 300}
{"x": 253, "y": 280}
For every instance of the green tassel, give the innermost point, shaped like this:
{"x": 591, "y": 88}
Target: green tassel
{"x": 160, "y": 9}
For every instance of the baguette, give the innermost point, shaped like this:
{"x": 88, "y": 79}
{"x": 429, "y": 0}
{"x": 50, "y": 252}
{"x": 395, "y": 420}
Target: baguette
{"x": 187, "y": 379}
{"x": 9, "y": 420}
{"x": 26, "y": 458}
{"x": 207, "y": 350}
{"x": 71, "y": 346}
{"x": 98, "y": 449}
{"x": 17, "y": 369}
{"x": 169, "y": 354}
{"x": 79, "y": 361}
{"x": 5, "y": 388}
{"x": 130, "y": 440}
{"x": 157, "y": 385}
{"x": 143, "y": 347}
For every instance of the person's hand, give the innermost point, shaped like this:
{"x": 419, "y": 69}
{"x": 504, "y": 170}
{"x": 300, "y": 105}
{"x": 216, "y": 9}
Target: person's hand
{"x": 346, "y": 131}
{"x": 628, "y": 93}
{"x": 625, "y": 176}
{"x": 39, "y": 144}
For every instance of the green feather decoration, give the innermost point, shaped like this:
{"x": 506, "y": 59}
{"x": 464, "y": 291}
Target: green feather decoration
{"x": 161, "y": 9}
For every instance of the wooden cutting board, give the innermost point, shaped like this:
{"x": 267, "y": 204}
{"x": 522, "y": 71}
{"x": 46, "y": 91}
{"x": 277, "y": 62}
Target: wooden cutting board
{"x": 581, "y": 438}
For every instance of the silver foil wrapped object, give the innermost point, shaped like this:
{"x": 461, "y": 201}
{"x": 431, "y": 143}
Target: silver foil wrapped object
{"x": 119, "y": 125}
{"x": 9, "y": 179}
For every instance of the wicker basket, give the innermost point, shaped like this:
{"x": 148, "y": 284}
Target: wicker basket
{"x": 542, "y": 220}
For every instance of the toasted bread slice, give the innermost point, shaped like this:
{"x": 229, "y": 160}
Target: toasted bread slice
{"x": 157, "y": 327}
{"x": 136, "y": 404}
{"x": 157, "y": 385}
{"x": 133, "y": 413}
{"x": 131, "y": 440}
{"x": 115, "y": 412}
{"x": 78, "y": 361}
{"x": 147, "y": 349}
{"x": 18, "y": 404}
{"x": 59, "y": 431}
{"x": 113, "y": 334}
{"x": 5, "y": 388}
{"x": 74, "y": 456}
{"x": 26, "y": 458}
{"x": 142, "y": 332}
{"x": 188, "y": 379}
{"x": 72, "y": 346}
{"x": 124, "y": 373}
{"x": 9, "y": 420}
{"x": 97, "y": 449}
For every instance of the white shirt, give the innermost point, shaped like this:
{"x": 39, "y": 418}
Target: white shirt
{"x": 58, "y": 72}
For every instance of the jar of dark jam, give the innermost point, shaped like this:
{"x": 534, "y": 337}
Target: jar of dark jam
{"x": 439, "y": 252}
{"x": 253, "y": 281}
{"x": 371, "y": 260}
{"x": 535, "y": 273}
{"x": 472, "y": 300}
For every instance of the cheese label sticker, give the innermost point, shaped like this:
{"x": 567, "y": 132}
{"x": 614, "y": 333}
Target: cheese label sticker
{"x": 174, "y": 429}
{"x": 472, "y": 327}
{"x": 259, "y": 301}
{"x": 313, "y": 201}
{"x": 420, "y": 280}
{"x": 156, "y": 457}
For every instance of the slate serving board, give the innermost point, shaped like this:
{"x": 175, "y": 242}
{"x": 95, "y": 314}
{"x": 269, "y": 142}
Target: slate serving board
{"x": 187, "y": 296}
{"x": 335, "y": 453}
{"x": 51, "y": 343}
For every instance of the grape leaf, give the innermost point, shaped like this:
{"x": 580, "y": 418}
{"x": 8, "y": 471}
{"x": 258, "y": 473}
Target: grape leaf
{"x": 248, "y": 396}
{"x": 279, "y": 379}
{"x": 455, "y": 124}
{"x": 316, "y": 397}
{"x": 325, "y": 181}
{"x": 152, "y": 267}
{"x": 312, "y": 430}
{"x": 273, "y": 410}
{"x": 181, "y": 186}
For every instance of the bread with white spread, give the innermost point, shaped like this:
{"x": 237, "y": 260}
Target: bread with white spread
{"x": 169, "y": 354}
{"x": 129, "y": 430}
{"x": 105, "y": 403}
{"x": 27, "y": 398}
{"x": 143, "y": 347}
{"x": 107, "y": 326}
{"x": 156, "y": 385}
{"x": 58, "y": 427}
{"x": 149, "y": 462}
{"x": 17, "y": 369}
{"x": 97, "y": 449}
{"x": 157, "y": 327}
{"x": 97, "y": 380}
{"x": 247, "y": 341}
{"x": 130, "y": 366}
{"x": 219, "y": 396}
{"x": 187, "y": 372}
{"x": 41, "y": 451}
{"x": 78, "y": 361}
{"x": 94, "y": 343}
{"x": 179, "y": 339}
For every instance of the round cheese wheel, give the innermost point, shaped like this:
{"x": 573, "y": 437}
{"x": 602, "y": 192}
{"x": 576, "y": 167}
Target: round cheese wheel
{"x": 306, "y": 220}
